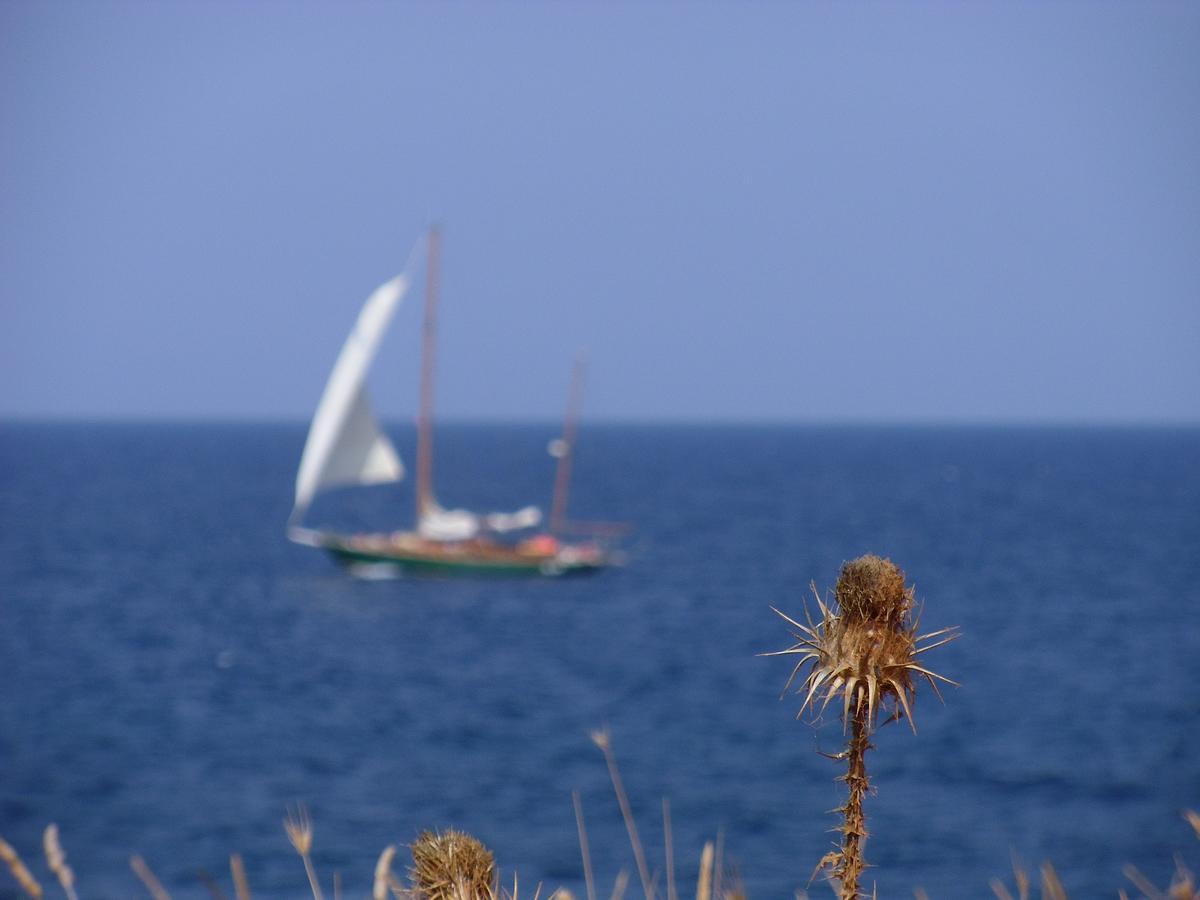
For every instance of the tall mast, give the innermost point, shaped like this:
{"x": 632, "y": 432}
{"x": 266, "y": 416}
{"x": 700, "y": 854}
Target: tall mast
{"x": 425, "y": 416}
{"x": 562, "y": 477}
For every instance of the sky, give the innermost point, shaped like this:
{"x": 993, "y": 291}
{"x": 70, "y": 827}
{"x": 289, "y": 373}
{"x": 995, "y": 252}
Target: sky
{"x": 950, "y": 212}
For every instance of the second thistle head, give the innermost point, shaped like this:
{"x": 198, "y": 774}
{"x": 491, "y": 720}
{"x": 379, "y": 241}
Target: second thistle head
{"x": 864, "y": 647}
{"x": 452, "y": 865}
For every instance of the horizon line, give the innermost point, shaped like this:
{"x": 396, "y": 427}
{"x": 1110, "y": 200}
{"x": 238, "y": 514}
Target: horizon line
{"x": 629, "y": 421}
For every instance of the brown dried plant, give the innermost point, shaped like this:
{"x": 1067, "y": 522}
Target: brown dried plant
{"x": 451, "y": 865}
{"x": 383, "y": 871}
{"x": 56, "y": 859}
{"x": 299, "y": 828}
{"x": 584, "y": 851}
{"x": 241, "y": 885}
{"x": 602, "y": 739}
{"x": 146, "y": 875}
{"x": 1183, "y": 884}
{"x": 864, "y": 648}
{"x": 1052, "y": 886}
{"x": 24, "y": 877}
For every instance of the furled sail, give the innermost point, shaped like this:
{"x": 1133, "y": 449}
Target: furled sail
{"x": 439, "y": 524}
{"x": 345, "y": 444}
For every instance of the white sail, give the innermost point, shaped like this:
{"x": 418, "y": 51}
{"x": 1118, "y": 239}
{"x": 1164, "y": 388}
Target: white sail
{"x": 345, "y": 445}
{"x": 526, "y": 517}
{"x": 439, "y": 524}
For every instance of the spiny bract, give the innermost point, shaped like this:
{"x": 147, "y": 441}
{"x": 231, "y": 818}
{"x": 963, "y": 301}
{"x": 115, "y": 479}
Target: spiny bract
{"x": 452, "y": 865}
{"x": 865, "y": 647}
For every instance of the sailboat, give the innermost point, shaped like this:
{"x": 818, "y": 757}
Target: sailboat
{"x": 346, "y": 446}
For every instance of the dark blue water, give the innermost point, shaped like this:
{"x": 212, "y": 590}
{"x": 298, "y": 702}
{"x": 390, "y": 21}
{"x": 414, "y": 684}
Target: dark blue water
{"x": 173, "y": 672}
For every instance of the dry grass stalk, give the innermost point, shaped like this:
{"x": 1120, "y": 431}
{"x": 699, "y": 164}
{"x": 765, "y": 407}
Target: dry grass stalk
{"x": 515, "y": 894}
{"x": 399, "y": 891}
{"x": 584, "y": 851}
{"x": 603, "y": 740}
{"x": 148, "y": 878}
{"x": 214, "y": 889}
{"x": 669, "y": 849}
{"x": 1052, "y": 888}
{"x": 241, "y": 885}
{"x": 718, "y": 876}
{"x": 1141, "y": 882}
{"x": 452, "y": 866}
{"x": 56, "y": 859}
{"x": 620, "y": 885}
{"x": 864, "y": 650}
{"x": 704, "y": 879}
{"x": 383, "y": 869}
{"x": 1182, "y": 887}
{"x": 1019, "y": 876}
{"x": 24, "y": 877}
{"x": 299, "y": 829}
{"x": 1183, "y": 882}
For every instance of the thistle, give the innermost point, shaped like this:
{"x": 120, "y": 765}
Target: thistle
{"x": 452, "y": 866}
{"x": 864, "y": 650}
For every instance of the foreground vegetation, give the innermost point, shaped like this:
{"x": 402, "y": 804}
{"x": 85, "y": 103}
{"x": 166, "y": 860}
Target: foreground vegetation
{"x": 862, "y": 652}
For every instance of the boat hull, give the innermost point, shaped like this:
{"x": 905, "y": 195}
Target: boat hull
{"x": 492, "y": 561}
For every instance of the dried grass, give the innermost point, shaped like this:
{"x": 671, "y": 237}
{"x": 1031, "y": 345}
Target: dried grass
{"x": 669, "y": 849}
{"x": 56, "y": 859}
{"x": 383, "y": 872}
{"x": 148, "y": 878}
{"x": 584, "y": 851}
{"x": 237, "y": 870}
{"x": 214, "y": 889}
{"x": 455, "y": 866}
{"x": 704, "y": 879}
{"x": 603, "y": 740}
{"x": 16, "y": 865}
{"x": 1183, "y": 882}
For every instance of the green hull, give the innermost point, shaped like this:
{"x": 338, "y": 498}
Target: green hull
{"x": 466, "y": 564}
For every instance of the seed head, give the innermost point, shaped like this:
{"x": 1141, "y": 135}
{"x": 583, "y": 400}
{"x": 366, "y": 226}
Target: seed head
{"x": 299, "y": 828}
{"x": 452, "y": 866}
{"x": 865, "y": 646}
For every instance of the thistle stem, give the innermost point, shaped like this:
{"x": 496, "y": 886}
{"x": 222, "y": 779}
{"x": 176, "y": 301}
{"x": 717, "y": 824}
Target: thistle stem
{"x": 854, "y": 828}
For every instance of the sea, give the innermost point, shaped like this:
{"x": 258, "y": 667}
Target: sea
{"x": 174, "y": 673}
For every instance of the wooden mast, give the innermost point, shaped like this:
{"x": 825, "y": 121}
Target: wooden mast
{"x": 562, "y": 477}
{"x": 425, "y": 416}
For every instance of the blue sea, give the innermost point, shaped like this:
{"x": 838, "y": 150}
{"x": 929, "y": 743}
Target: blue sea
{"x": 173, "y": 672}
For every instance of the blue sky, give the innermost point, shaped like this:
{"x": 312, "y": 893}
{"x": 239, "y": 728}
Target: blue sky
{"x": 868, "y": 212}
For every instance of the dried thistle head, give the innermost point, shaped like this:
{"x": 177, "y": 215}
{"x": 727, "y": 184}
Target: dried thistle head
{"x": 299, "y": 828}
{"x": 452, "y": 866}
{"x": 865, "y": 646}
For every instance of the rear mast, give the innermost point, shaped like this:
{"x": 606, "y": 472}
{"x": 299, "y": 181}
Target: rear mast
{"x": 562, "y": 476}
